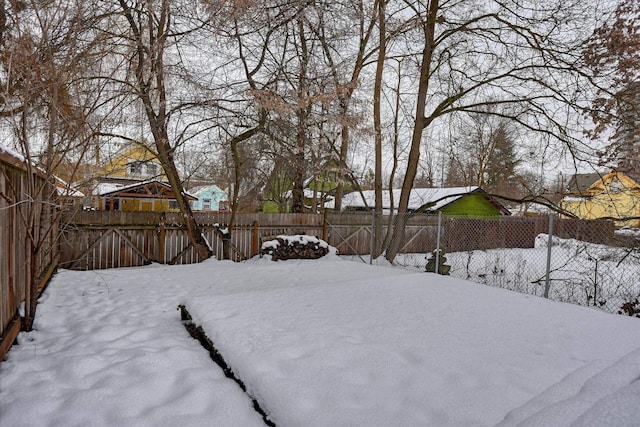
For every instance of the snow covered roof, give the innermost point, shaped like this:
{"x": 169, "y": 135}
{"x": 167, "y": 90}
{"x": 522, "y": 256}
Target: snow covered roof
{"x": 111, "y": 187}
{"x": 574, "y": 199}
{"x": 418, "y": 197}
{"x": 308, "y": 194}
{"x": 581, "y": 182}
{"x": 201, "y": 189}
{"x": 104, "y": 188}
{"x": 67, "y": 190}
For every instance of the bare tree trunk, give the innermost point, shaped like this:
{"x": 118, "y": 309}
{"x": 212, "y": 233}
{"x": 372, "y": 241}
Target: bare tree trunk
{"x": 302, "y": 116}
{"x": 166, "y": 160}
{"x": 416, "y": 138}
{"x": 377, "y": 126}
{"x": 342, "y": 164}
{"x": 394, "y": 167}
{"x": 237, "y": 178}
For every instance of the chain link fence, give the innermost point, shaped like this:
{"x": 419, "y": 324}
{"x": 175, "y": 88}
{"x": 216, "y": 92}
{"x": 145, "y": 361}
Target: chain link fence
{"x": 589, "y": 263}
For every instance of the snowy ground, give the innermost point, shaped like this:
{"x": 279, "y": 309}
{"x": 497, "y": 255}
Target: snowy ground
{"x": 318, "y": 343}
{"x": 580, "y": 272}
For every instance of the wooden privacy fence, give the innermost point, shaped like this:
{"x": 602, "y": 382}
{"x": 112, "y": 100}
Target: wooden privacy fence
{"x": 107, "y": 239}
{"x": 28, "y": 247}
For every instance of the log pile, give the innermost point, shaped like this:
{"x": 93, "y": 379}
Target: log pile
{"x": 295, "y": 247}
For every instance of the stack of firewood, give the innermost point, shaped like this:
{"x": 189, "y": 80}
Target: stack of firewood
{"x": 294, "y": 247}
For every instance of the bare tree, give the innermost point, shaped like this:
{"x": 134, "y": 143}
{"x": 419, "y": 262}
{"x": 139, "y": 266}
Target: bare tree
{"x": 518, "y": 54}
{"x": 303, "y": 62}
{"x": 47, "y": 110}
{"x": 377, "y": 122}
{"x": 150, "y": 31}
{"x": 613, "y": 52}
{"x": 346, "y": 66}
{"x": 484, "y": 153}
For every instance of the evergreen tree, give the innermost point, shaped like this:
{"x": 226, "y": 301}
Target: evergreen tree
{"x": 501, "y": 168}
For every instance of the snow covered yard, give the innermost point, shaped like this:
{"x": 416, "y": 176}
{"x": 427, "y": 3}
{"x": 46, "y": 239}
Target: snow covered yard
{"x": 580, "y": 272}
{"x": 318, "y": 343}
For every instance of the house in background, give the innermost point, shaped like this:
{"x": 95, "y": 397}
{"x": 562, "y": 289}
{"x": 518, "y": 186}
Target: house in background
{"x": 325, "y": 182}
{"x": 146, "y": 196}
{"x": 134, "y": 162}
{"x": 318, "y": 189}
{"x": 69, "y": 197}
{"x": 607, "y": 195}
{"x": 471, "y": 202}
{"x": 131, "y": 179}
{"x": 209, "y": 198}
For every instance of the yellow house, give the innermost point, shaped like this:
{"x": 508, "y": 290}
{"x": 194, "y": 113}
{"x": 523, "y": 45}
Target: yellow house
{"x": 614, "y": 195}
{"x": 145, "y": 196}
{"x": 136, "y": 162}
{"x": 132, "y": 180}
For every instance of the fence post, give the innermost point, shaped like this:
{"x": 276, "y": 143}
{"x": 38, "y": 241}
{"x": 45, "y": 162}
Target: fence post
{"x": 438, "y": 242}
{"x": 255, "y": 239}
{"x": 161, "y": 239}
{"x": 547, "y": 282}
{"x": 373, "y": 236}
{"x": 325, "y": 230}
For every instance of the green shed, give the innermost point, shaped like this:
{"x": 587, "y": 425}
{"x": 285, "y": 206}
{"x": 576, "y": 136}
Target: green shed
{"x": 471, "y": 202}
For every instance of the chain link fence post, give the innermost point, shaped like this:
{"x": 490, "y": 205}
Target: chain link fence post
{"x": 591, "y": 262}
{"x": 438, "y": 242}
{"x": 547, "y": 280}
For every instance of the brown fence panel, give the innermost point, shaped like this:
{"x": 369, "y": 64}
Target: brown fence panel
{"x": 594, "y": 231}
{"x": 12, "y": 270}
{"x": 350, "y": 233}
{"x": 98, "y": 247}
{"x": 465, "y": 234}
{"x": 106, "y": 239}
{"x": 28, "y": 247}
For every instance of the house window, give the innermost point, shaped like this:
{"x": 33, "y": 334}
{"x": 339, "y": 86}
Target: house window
{"x": 615, "y": 187}
{"x": 223, "y": 205}
{"x": 111, "y": 204}
{"x": 134, "y": 168}
{"x": 173, "y": 204}
{"x": 152, "y": 169}
{"x": 206, "y": 204}
{"x": 137, "y": 168}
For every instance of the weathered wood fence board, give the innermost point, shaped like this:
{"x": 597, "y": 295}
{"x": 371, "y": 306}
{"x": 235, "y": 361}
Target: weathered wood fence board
{"x": 28, "y": 246}
{"x": 96, "y": 240}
